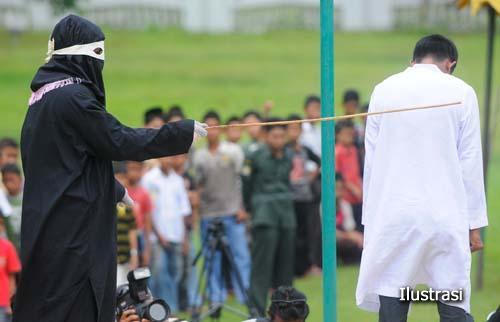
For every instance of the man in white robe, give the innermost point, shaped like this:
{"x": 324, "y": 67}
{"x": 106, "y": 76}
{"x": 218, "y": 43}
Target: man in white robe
{"x": 424, "y": 199}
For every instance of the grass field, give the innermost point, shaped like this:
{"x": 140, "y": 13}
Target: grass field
{"x": 235, "y": 72}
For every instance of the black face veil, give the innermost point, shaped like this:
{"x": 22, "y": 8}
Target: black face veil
{"x": 76, "y": 49}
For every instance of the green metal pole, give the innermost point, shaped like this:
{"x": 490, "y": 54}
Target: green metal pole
{"x": 486, "y": 128}
{"x": 328, "y": 166}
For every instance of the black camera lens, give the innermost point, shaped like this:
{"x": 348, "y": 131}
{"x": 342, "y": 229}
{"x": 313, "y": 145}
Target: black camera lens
{"x": 157, "y": 311}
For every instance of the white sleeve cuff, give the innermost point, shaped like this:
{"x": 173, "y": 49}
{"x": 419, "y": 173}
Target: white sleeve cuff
{"x": 479, "y": 219}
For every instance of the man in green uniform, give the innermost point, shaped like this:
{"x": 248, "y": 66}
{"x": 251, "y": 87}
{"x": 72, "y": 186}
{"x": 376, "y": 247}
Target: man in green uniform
{"x": 269, "y": 199}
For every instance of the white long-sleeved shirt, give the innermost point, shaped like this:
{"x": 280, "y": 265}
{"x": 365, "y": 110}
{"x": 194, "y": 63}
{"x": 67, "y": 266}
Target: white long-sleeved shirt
{"x": 423, "y": 186}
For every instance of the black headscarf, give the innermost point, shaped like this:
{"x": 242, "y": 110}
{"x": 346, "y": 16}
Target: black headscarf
{"x": 73, "y": 30}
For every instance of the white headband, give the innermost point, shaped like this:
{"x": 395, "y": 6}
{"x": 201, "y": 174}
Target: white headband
{"x": 95, "y": 49}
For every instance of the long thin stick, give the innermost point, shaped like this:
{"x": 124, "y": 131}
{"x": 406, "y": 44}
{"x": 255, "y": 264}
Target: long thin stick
{"x": 335, "y": 118}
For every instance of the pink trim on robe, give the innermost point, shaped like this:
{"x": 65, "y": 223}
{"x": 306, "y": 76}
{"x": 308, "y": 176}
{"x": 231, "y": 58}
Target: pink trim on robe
{"x": 36, "y": 96}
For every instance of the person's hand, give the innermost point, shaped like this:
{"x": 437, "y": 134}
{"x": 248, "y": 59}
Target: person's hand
{"x": 241, "y": 216}
{"x": 130, "y": 316}
{"x": 476, "y": 242}
{"x": 354, "y": 189}
{"x": 267, "y": 107}
{"x": 134, "y": 262}
{"x": 164, "y": 242}
{"x": 200, "y": 130}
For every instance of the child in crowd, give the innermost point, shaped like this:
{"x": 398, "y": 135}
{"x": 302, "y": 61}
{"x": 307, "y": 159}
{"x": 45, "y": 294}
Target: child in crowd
{"x": 170, "y": 209}
{"x": 347, "y": 164}
{"x": 311, "y": 132}
{"x": 218, "y": 168}
{"x": 9, "y": 267}
{"x": 142, "y": 209}
{"x": 349, "y": 240}
{"x": 13, "y": 181}
{"x": 233, "y": 134}
{"x": 304, "y": 172}
{"x": 270, "y": 202}
{"x": 126, "y": 233}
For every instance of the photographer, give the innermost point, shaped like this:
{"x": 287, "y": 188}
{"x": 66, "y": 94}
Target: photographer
{"x": 287, "y": 305}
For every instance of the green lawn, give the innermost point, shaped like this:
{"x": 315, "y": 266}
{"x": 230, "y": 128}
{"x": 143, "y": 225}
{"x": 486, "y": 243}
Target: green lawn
{"x": 235, "y": 72}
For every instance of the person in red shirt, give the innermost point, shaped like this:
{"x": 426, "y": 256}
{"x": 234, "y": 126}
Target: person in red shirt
{"x": 347, "y": 164}
{"x": 142, "y": 209}
{"x": 9, "y": 267}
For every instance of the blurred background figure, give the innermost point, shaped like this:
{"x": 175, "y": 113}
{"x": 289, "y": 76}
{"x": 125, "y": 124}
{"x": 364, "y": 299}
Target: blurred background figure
{"x": 351, "y": 105}
{"x": 218, "y": 166}
{"x": 171, "y": 208}
{"x": 187, "y": 284}
{"x": 349, "y": 240}
{"x": 347, "y": 164}
{"x": 233, "y": 134}
{"x": 311, "y": 132}
{"x": 305, "y": 171}
{"x": 254, "y": 132}
{"x": 9, "y": 151}
{"x": 126, "y": 231}
{"x": 153, "y": 117}
{"x": 270, "y": 202}
{"x": 9, "y": 267}
{"x": 12, "y": 180}
{"x": 350, "y": 102}
{"x": 287, "y": 305}
{"x": 174, "y": 114}
{"x": 142, "y": 209}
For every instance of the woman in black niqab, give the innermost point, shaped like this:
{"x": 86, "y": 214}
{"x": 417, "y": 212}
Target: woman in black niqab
{"x": 68, "y": 141}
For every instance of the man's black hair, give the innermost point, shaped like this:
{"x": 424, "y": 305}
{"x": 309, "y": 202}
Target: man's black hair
{"x": 211, "y": 114}
{"x": 351, "y": 95}
{"x": 340, "y": 125}
{"x": 268, "y": 128}
{"x": 294, "y": 117}
{"x": 253, "y": 113}
{"x": 152, "y": 113}
{"x": 233, "y": 119}
{"x": 311, "y": 99}
{"x": 11, "y": 168}
{"x": 8, "y": 143}
{"x": 174, "y": 111}
{"x": 437, "y": 46}
{"x": 289, "y": 304}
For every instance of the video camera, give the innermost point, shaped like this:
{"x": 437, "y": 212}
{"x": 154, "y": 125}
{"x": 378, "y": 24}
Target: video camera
{"x": 136, "y": 295}
{"x": 216, "y": 228}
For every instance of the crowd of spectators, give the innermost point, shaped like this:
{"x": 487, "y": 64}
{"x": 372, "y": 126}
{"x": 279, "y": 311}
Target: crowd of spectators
{"x": 262, "y": 183}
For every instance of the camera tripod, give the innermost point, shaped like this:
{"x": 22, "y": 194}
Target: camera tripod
{"x": 214, "y": 241}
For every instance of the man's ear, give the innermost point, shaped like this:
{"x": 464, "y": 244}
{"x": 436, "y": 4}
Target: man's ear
{"x": 452, "y": 66}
